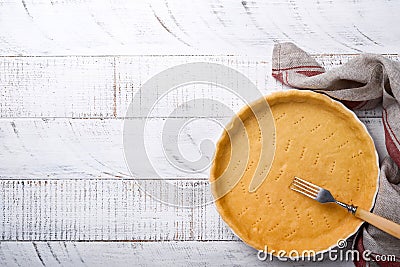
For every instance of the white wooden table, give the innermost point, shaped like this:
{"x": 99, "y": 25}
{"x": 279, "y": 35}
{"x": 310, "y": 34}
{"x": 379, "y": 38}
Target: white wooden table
{"x": 68, "y": 71}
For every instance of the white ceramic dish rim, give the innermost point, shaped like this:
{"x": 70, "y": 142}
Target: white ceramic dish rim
{"x": 377, "y": 179}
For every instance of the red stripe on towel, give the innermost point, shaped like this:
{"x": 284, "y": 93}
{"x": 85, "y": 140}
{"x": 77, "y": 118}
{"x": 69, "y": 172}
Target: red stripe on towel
{"x": 391, "y": 147}
{"x": 309, "y": 73}
{"x": 298, "y": 67}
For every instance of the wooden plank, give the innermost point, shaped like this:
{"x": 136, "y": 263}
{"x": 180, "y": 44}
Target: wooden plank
{"x": 131, "y": 210}
{"x": 203, "y": 27}
{"x": 222, "y": 253}
{"x": 92, "y": 87}
{"x": 56, "y": 87}
{"x": 69, "y": 148}
{"x": 103, "y": 87}
{"x": 132, "y": 73}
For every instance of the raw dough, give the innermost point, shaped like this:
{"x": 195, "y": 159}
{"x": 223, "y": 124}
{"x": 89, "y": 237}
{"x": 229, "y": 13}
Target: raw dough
{"x": 317, "y": 139}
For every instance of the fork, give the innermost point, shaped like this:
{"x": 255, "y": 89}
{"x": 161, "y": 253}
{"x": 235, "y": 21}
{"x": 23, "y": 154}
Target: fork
{"x": 324, "y": 196}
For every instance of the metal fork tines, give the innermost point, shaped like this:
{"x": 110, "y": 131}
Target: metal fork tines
{"x": 318, "y": 193}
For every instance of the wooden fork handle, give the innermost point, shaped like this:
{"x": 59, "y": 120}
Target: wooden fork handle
{"x": 385, "y": 225}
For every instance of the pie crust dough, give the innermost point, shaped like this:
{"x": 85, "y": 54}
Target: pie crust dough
{"x": 317, "y": 139}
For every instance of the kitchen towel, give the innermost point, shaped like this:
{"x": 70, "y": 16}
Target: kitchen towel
{"x": 362, "y": 83}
